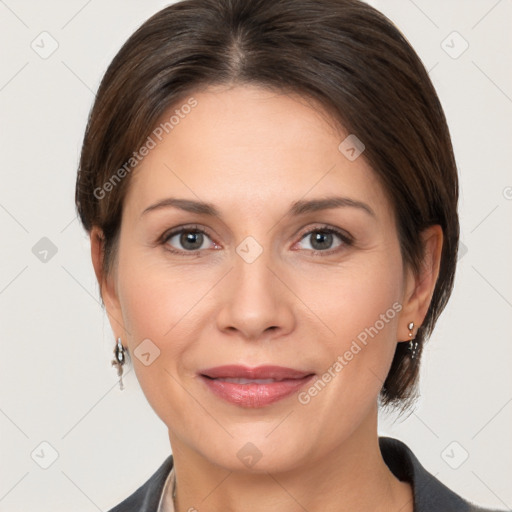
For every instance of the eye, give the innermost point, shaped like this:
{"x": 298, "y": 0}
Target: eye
{"x": 191, "y": 240}
{"x": 187, "y": 240}
{"x": 321, "y": 240}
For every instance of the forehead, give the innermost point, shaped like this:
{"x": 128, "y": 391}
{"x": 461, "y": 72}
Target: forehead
{"x": 251, "y": 145}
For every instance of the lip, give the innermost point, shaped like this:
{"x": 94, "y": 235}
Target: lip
{"x": 258, "y": 372}
{"x": 254, "y": 395}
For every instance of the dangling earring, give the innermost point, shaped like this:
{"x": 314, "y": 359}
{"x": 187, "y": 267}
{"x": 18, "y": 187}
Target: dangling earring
{"x": 119, "y": 360}
{"x": 413, "y": 345}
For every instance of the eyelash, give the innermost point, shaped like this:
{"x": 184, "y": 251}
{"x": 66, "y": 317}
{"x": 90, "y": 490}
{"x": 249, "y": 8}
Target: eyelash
{"x": 344, "y": 237}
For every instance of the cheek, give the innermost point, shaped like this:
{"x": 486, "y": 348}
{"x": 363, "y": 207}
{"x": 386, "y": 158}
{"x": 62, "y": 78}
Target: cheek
{"x": 353, "y": 297}
{"x": 160, "y": 319}
{"x": 359, "y": 307}
{"x": 155, "y": 295}
{"x": 166, "y": 306}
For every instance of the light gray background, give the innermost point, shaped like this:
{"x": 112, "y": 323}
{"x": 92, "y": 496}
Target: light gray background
{"x": 56, "y": 382}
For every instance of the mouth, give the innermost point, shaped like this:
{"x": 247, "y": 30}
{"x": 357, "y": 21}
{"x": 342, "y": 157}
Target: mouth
{"x": 254, "y": 387}
{"x": 265, "y": 372}
{"x": 244, "y": 381}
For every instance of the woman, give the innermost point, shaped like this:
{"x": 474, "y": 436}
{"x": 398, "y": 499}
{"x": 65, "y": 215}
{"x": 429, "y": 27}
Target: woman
{"x": 229, "y": 141}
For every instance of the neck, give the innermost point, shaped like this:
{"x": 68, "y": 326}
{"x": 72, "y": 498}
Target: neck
{"x": 352, "y": 476}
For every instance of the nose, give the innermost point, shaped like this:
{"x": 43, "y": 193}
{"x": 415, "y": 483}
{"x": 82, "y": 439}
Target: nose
{"x": 256, "y": 301}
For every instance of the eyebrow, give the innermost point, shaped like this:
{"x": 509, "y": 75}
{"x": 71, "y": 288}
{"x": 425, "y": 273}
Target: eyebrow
{"x": 297, "y": 208}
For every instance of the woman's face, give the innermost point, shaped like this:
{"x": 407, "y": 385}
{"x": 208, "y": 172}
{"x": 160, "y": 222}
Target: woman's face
{"x": 265, "y": 284}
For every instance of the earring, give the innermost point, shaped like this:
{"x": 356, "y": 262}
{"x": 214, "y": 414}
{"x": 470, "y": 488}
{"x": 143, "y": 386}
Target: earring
{"x": 119, "y": 360}
{"x": 413, "y": 345}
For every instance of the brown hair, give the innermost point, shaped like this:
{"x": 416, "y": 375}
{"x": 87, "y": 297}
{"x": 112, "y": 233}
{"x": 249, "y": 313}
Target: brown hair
{"x": 342, "y": 53}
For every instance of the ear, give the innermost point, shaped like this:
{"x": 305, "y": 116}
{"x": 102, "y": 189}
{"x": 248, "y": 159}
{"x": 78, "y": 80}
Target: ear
{"x": 418, "y": 289}
{"x": 108, "y": 291}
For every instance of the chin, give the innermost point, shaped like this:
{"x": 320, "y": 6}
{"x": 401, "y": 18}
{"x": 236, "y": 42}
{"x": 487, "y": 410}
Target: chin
{"x": 259, "y": 452}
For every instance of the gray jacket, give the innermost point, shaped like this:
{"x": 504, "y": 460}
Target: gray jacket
{"x": 430, "y": 495}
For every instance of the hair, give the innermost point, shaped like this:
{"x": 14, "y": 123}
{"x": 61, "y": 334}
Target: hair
{"x": 343, "y": 54}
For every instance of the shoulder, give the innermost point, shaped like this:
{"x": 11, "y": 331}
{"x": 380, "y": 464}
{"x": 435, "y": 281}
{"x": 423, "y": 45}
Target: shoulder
{"x": 430, "y": 494}
{"x": 147, "y": 496}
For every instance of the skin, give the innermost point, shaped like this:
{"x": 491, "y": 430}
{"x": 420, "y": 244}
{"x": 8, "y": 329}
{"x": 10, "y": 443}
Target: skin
{"x": 252, "y": 153}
